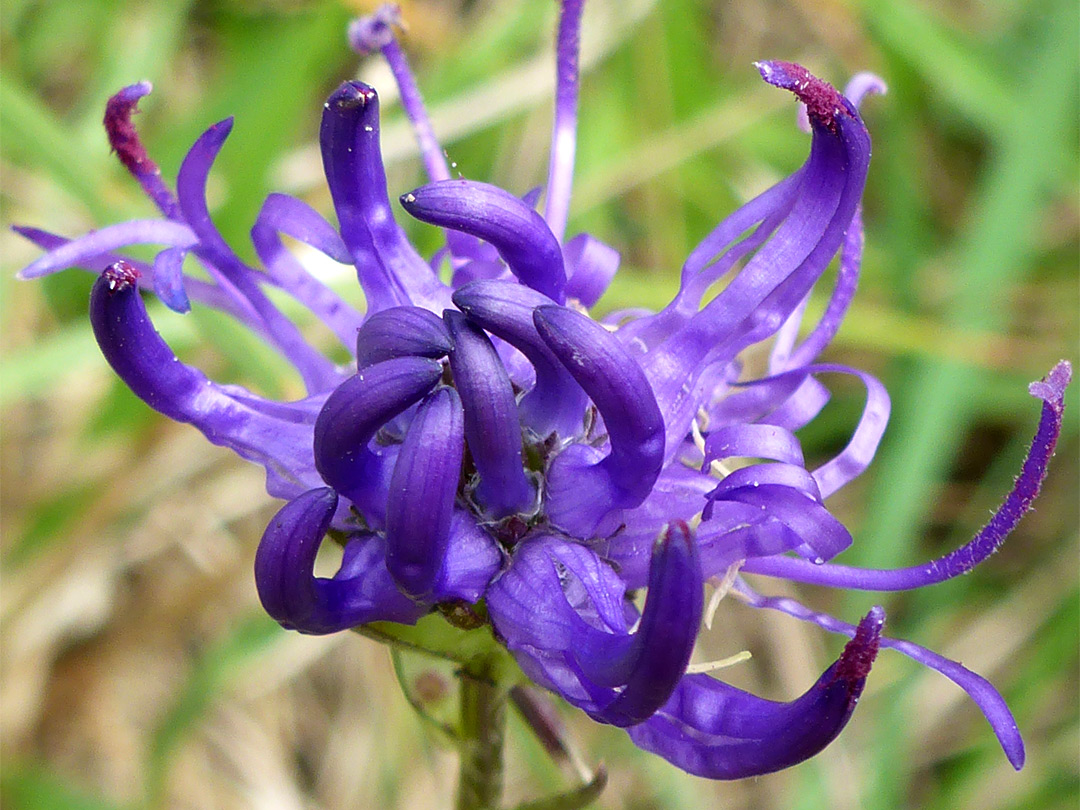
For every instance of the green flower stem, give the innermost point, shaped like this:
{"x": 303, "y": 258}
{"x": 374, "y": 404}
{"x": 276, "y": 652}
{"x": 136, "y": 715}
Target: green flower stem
{"x": 483, "y": 728}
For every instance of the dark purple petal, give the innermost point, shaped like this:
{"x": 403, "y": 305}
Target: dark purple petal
{"x": 277, "y": 436}
{"x": 390, "y": 271}
{"x": 590, "y": 267}
{"x": 376, "y": 32}
{"x": 564, "y": 127}
{"x": 282, "y": 214}
{"x": 980, "y": 690}
{"x": 562, "y": 613}
{"x": 556, "y": 402}
{"x": 717, "y": 731}
{"x": 1017, "y": 503}
{"x": 349, "y": 420}
{"x": 360, "y": 592}
{"x": 318, "y": 373}
{"x": 124, "y": 140}
{"x": 79, "y": 252}
{"x": 520, "y": 235}
{"x": 664, "y": 640}
{"x": 401, "y": 332}
{"x": 774, "y": 282}
{"x": 583, "y": 487}
{"x": 422, "y": 489}
{"x": 492, "y": 426}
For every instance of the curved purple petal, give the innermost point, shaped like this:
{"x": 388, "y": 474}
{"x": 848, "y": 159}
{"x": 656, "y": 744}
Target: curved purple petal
{"x": 281, "y": 213}
{"x": 390, "y": 271}
{"x": 664, "y": 640}
{"x": 760, "y": 298}
{"x": 986, "y": 697}
{"x": 318, "y": 373}
{"x": 717, "y": 731}
{"x": 583, "y": 487}
{"x": 278, "y": 438}
{"x": 360, "y": 592}
{"x": 753, "y": 441}
{"x": 678, "y": 495}
{"x": 989, "y": 539}
{"x": 402, "y": 332}
{"x": 78, "y": 252}
{"x": 564, "y": 128}
{"x": 504, "y": 308}
{"x": 492, "y": 426}
{"x": 562, "y": 612}
{"x": 421, "y": 497}
{"x": 521, "y": 236}
{"x": 349, "y": 420}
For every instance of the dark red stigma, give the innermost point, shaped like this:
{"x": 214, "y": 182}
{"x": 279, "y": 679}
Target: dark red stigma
{"x": 121, "y": 276}
{"x": 823, "y": 101}
{"x": 859, "y": 653}
{"x": 123, "y": 137}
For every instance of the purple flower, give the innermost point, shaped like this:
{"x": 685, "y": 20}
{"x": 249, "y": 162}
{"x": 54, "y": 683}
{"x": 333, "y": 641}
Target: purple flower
{"x": 494, "y": 446}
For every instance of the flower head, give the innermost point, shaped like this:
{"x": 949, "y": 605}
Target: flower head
{"x": 492, "y": 445}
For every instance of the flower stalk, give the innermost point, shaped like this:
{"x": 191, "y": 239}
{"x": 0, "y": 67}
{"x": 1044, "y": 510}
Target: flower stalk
{"x": 482, "y": 733}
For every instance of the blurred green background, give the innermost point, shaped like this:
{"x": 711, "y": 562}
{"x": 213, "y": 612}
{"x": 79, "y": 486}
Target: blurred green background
{"x": 137, "y": 669}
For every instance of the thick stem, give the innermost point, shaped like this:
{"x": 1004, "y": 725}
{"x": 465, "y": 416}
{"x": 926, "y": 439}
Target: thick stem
{"x": 483, "y": 725}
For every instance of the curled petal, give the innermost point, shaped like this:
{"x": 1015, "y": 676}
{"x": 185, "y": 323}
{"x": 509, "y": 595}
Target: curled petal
{"x": 492, "y": 427}
{"x": 401, "y": 332}
{"x": 823, "y": 535}
{"x": 350, "y": 418}
{"x": 421, "y": 498}
{"x": 205, "y": 293}
{"x": 773, "y": 283}
{"x": 986, "y": 697}
{"x": 282, "y": 214}
{"x": 989, "y": 539}
{"x": 225, "y": 266}
{"x": 739, "y": 533}
{"x": 562, "y": 612}
{"x": 278, "y": 436}
{"x": 556, "y": 402}
{"x": 590, "y": 267}
{"x": 390, "y": 271}
{"x": 664, "y": 640}
{"x": 582, "y": 487}
{"x": 360, "y": 592}
{"x": 520, "y": 235}
{"x": 714, "y": 730}
{"x": 753, "y": 441}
